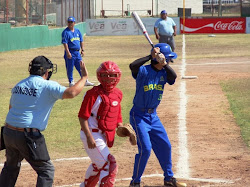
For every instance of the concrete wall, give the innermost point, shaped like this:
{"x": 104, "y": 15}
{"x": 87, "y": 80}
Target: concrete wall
{"x": 81, "y": 12}
{"x": 141, "y": 6}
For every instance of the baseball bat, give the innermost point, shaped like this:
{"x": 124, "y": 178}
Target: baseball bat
{"x": 141, "y": 26}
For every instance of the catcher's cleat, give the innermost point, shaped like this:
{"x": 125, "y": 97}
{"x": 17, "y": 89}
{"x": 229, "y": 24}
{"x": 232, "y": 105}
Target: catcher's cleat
{"x": 174, "y": 183}
{"x": 134, "y": 184}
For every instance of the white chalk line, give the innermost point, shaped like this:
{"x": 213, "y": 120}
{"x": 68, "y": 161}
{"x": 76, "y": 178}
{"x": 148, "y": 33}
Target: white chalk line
{"x": 183, "y": 178}
{"x": 213, "y": 63}
{"x": 56, "y": 160}
{"x": 160, "y": 175}
{"x": 219, "y": 63}
{"x": 144, "y": 176}
{"x": 183, "y": 164}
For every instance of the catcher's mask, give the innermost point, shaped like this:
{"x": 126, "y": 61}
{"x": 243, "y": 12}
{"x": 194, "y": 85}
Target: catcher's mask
{"x": 166, "y": 50}
{"x": 40, "y": 64}
{"x": 108, "y": 75}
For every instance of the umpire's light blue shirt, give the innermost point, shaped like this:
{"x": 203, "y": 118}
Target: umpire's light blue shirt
{"x": 31, "y": 101}
{"x": 165, "y": 26}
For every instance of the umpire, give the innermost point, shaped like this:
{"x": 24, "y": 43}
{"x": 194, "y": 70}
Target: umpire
{"x": 165, "y": 30}
{"x": 30, "y": 105}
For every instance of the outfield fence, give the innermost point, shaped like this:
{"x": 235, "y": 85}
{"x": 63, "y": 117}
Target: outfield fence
{"x": 18, "y": 38}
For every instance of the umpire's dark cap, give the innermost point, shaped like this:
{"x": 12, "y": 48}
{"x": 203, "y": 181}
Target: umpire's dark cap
{"x": 39, "y": 65}
{"x": 41, "y": 62}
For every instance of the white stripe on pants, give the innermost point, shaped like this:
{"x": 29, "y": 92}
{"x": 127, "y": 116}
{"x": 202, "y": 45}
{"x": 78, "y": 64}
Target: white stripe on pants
{"x": 98, "y": 155}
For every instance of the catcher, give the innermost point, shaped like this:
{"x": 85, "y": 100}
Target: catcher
{"x": 99, "y": 116}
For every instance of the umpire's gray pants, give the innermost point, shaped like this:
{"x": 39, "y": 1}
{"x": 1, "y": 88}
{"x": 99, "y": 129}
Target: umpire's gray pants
{"x": 16, "y": 151}
{"x": 168, "y": 40}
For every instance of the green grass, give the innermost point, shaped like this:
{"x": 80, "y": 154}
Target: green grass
{"x": 238, "y": 94}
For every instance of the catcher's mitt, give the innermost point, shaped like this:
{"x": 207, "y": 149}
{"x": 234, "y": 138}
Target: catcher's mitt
{"x": 127, "y": 130}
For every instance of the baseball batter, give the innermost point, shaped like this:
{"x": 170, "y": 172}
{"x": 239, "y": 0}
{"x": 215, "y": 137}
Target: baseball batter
{"x": 150, "y": 82}
{"x": 99, "y": 116}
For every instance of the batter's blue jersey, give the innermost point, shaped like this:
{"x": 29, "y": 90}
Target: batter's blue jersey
{"x": 73, "y": 39}
{"x": 149, "y": 87}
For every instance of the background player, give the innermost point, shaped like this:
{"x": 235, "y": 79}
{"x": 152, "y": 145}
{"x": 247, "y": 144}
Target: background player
{"x": 165, "y": 29}
{"x": 150, "y": 81}
{"x": 73, "y": 42}
{"x": 99, "y": 116}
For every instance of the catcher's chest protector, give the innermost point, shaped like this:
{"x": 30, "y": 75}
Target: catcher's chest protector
{"x": 108, "y": 112}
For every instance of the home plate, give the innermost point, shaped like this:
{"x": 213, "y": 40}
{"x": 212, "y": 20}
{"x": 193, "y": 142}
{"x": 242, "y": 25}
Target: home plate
{"x": 189, "y": 77}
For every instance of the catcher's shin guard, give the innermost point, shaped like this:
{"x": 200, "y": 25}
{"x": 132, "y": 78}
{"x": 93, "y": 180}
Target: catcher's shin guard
{"x": 92, "y": 180}
{"x": 109, "y": 180}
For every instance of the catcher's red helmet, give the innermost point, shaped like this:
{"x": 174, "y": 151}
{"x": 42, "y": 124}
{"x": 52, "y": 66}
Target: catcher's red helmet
{"x": 108, "y": 74}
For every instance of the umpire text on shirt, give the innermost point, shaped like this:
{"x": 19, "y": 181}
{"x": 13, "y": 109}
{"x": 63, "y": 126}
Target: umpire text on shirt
{"x": 30, "y": 105}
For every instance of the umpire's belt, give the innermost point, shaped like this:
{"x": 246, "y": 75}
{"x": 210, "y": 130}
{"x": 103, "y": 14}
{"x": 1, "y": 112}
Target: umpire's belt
{"x": 21, "y": 129}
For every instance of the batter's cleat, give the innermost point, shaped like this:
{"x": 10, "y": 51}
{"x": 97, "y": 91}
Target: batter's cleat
{"x": 71, "y": 83}
{"x": 89, "y": 83}
{"x": 174, "y": 183}
{"x": 134, "y": 184}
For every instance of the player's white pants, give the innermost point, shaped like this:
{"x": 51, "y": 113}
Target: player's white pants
{"x": 98, "y": 155}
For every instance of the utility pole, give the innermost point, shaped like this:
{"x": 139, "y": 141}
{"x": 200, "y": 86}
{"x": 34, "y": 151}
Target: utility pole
{"x": 219, "y": 11}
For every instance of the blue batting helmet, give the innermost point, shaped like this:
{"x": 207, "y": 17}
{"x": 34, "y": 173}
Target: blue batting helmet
{"x": 166, "y": 50}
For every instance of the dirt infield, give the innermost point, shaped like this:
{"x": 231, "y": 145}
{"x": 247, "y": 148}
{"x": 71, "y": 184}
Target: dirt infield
{"x": 217, "y": 153}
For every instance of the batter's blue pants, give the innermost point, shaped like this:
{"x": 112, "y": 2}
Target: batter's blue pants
{"x": 151, "y": 134}
{"x": 70, "y": 63}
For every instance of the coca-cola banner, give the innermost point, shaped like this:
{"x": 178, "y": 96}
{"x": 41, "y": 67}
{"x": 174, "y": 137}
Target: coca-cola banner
{"x": 214, "y": 25}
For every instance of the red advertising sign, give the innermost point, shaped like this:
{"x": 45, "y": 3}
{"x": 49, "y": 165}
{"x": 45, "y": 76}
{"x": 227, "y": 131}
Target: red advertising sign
{"x": 214, "y": 25}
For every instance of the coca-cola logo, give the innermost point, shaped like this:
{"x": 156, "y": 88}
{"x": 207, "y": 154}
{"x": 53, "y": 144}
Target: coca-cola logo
{"x": 234, "y": 25}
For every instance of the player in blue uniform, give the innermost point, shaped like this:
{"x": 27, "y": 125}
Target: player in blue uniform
{"x": 150, "y": 81}
{"x": 73, "y": 42}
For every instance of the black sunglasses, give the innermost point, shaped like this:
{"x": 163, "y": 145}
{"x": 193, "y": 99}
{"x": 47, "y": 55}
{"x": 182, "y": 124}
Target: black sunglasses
{"x": 70, "y": 21}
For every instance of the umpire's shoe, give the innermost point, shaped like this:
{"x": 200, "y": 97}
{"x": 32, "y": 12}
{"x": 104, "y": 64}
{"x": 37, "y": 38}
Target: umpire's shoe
{"x": 174, "y": 183}
{"x": 133, "y": 184}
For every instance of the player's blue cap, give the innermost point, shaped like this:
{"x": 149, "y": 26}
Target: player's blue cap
{"x": 71, "y": 18}
{"x": 163, "y": 12}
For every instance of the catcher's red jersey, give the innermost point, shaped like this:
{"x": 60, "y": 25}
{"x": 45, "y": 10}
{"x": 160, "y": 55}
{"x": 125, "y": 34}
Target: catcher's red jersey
{"x": 109, "y": 112}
